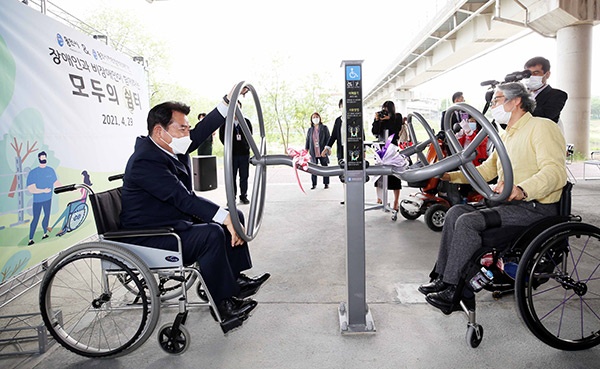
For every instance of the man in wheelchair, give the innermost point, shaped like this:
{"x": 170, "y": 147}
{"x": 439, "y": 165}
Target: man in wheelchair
{"x": 157, "y": 192}
{"x": 535, "y": 147}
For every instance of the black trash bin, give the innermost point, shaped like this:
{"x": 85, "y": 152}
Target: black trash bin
{"x": 205, "y": 172}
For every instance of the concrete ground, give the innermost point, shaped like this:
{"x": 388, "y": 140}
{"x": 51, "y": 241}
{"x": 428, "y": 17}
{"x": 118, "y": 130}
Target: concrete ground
{"x": 302, "y": 244}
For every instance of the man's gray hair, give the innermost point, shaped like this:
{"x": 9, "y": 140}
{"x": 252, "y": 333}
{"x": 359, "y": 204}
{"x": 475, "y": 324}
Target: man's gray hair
{"x": 517, "y": 89}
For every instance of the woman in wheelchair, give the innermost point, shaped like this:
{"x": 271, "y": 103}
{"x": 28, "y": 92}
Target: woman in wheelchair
{"x": 157, "y": 192}
{"x": 536, "y": 150}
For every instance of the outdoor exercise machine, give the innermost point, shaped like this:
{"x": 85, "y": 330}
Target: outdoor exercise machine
{"x": 354, "y": 315}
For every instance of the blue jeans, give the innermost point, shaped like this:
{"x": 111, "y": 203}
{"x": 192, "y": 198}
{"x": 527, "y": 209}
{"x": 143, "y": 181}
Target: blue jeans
{"x": 37, "y": 211}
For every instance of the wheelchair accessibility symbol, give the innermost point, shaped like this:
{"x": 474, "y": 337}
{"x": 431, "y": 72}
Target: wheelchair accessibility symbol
{"x": 353, "y": 73}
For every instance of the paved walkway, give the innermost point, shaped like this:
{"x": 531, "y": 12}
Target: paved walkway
{"x": 302, "y": 244}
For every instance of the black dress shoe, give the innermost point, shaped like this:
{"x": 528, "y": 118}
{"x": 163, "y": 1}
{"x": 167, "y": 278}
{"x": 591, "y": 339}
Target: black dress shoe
{"x": 444, "y": 300}
{"x": 244, "y": 200}
{"x": 250, "y": 286}
{"x": 436, "y": 285}
{"x": 233, "y": 312}
{"x": 234, "y": 308}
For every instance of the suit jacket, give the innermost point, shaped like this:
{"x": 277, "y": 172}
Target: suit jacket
{"x": 157, "y": 187}
{"x": 240, "y": 148}
{"x": 453, "y": 120}
{"x": 323, "y": 140}
{"x": 336, "y": 136}
{"x": 549, "y": 103}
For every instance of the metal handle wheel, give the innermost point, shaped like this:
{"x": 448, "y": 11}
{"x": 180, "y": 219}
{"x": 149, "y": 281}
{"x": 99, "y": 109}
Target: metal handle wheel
{"x": 257, "y": 198}
{"x": 468, "y": 153}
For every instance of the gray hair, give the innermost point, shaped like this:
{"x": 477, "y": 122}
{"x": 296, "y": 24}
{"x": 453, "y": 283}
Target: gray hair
{"x": 517, "y": 89}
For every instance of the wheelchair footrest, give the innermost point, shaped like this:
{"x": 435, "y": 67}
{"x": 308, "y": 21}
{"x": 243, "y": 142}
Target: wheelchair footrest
{"x": 230, "y": 324}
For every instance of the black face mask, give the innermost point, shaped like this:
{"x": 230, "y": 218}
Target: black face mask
{"x": 43, "y": 161}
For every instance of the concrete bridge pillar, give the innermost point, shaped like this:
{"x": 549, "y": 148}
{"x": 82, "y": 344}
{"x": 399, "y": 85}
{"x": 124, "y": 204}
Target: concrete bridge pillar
{"x": 574, "y": 71}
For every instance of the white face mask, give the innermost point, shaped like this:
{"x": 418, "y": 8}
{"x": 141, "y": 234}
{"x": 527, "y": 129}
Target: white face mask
{"x": 500, "y": 115}
{"x": 534, "y": 83}
{"x": 473, "y": 126}
{"x": 179, "y": 145}
{"x": 315, "y": 120}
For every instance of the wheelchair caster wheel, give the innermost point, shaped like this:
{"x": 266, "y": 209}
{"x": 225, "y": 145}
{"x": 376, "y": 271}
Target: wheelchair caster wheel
{"x": 175, "y": 344}
{"x": 201, "y": 292}
{"x": 474, "y": 335}
{"x": 395, "y": 215}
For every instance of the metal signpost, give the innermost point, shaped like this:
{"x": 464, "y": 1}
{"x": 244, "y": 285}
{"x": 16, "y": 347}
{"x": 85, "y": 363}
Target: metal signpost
{"x": 355, "y": 316}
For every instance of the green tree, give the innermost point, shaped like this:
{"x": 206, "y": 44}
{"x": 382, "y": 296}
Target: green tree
{"x": 128, "y": 35}
{"x": 595, "y": 108}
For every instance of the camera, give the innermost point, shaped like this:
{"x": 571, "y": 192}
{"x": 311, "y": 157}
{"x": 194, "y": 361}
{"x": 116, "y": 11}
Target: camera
{"x": 517, "y": 76}
{"x": 383, "y": 113}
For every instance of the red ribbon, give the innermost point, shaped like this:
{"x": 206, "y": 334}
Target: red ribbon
{"x": 300, "y": 159}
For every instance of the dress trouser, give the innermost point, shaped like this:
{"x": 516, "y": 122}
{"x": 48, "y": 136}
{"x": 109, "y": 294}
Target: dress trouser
{"x": 210, "y": 245}
{"x": 241, "y": 163}
{"x": 462, "y": 227}
{"x": 323, "y": 162}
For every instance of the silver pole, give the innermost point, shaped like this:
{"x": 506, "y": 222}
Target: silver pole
{"x": 355, "y": 316}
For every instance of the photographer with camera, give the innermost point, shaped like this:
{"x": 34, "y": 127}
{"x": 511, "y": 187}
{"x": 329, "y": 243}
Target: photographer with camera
{"x": 388, "y": 120}
{"x": 549, "y": 101}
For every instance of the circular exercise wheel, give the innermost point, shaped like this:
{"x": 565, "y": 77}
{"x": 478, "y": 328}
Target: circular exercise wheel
{"x": 257, "y": 198}
{"x": 419, "y": 147}
{"x": 468, "y": 153}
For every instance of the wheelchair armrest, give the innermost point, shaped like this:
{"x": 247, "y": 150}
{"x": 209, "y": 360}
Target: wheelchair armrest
{"x": 139, "y": 232}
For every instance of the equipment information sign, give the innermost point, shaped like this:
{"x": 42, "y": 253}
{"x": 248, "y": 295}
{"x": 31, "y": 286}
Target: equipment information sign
{"x": 354, "y": 116}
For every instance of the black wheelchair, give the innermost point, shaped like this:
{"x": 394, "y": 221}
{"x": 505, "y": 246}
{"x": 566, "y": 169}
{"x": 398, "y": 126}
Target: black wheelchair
{"x": 553, "y": 269}
{"x": 103, "y": 298}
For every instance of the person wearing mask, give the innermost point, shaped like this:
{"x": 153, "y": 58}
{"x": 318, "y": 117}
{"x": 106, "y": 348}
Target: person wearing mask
{"x": 549, "y": 101}
{"x": 157, "y": 192}
{"x": 317, "y": 138}
{"x": 388, "y": 120}
{"x": 240, "y": 157}
{"x": 40, "y": 183}
{"x": 536, "y": 148}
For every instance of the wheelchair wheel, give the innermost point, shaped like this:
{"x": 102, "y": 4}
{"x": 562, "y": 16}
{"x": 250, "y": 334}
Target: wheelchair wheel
{"x": 170, "y": 288}
{"x": 173, "y": 344}
{"x": 558, "y": 284}
{"x": 410, "y": 215}
{"x": 201, "y": 292}
{"x": 435, "y": 217}
{"x": 474, "y": 334}
{"x": 87, "y": 308}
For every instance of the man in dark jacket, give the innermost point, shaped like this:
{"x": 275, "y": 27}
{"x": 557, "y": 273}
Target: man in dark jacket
{"x": 549, "y": 101}
{"x": 157, "y": 192}
{"x": 240, "y": 157}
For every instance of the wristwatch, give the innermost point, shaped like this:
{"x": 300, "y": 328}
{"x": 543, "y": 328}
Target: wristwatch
{"x": 524, "y": 193}
{"x": 226, "y": 99}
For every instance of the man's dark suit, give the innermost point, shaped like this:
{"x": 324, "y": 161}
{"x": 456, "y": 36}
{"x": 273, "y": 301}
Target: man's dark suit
{"x": 453, "y": 120}
{"x": 549, "y": 103}
{"x": 157, "y": 192}
{"x": 336, "y": 136}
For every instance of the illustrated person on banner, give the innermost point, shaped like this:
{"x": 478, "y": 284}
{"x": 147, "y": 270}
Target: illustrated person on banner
{"x": 40, "y": 183}
{"x": 72, "y": 209}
